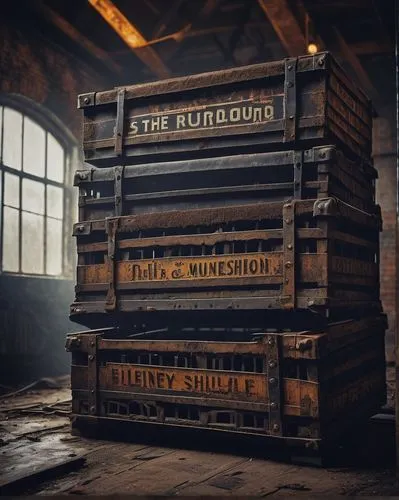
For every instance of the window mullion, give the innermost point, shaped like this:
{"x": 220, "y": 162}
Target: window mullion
{"x": 20, "y": 238}
{"x": 45, "y": 207}
{"x": 63, "y": 228}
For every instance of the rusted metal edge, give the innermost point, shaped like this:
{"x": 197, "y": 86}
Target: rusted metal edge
{"x": 290, "y": 100}
{"x": 333, "y": 207}
{"x": 294, "y": 442}
{"x": 212, "y": 79}
{"x": 220, "y": 215}
{"x": 295, "y": 344}
{"x": 119, "y": 123}
{"x": 192, "y": 217}
{"x": 288, "y": 299}
{"x": 118, "y": 190}
{"x": 238, "y": 302}
{"x": 276, "y": 384}
{"x": 320, "y": 154}
{"x": 92, "y": 376}
{"x": 82, "y": 176}
{"x": 211, "y": 239}
{"x": 298, "y": 169}
{"x": 170, "y": 398}
{"x": 86, "y": 100}
{"x": 111, "y": 300}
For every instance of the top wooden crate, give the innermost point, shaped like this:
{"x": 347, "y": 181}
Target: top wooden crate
{"x": 307, "y": 100}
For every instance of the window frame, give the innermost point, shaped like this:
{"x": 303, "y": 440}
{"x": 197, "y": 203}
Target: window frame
{"x": 53, "y": 125}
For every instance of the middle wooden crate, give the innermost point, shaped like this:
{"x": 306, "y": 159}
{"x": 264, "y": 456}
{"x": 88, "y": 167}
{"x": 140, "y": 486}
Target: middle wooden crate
{"x": 317, "y": 172}
{"x": 320, "y": 254}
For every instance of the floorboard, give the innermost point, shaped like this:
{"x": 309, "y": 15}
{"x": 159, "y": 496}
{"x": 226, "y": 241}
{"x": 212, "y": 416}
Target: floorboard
{"x": 35, "y": 435}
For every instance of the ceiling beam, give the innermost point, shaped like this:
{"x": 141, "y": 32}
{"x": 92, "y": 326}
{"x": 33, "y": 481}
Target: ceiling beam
{"x": 131, "y": 36}
{"x": 286, "y": 26}
{"x": 71, "y": 32}
{"x": 205, "y": 12}
{"x": 293, "y": 37}
{"x": 208, "y": 8}
{"x": 165, "y": 20}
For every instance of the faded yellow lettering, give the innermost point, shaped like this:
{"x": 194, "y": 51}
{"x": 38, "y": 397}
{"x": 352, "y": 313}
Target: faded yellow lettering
{"x": 196, "y": 122}
{"x": 257, "y": 114}
{"x": 180, "y": 121}
{"x": 221, "y": 116}
{"x": 145, "y": 124}
{"x": 208, "y": 119}
{"x": 164, "y": 123}
{"x": 235, "y": 115}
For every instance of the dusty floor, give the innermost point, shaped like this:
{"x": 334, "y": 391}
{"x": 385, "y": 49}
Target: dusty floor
{"x": 35, "y": 438}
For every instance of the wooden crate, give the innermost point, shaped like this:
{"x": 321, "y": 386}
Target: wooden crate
{"x": 272, "y": 105}
{"x": 304, "y": 388}
{"x": 309, "y": 254}
{"x": 251, "y": 178}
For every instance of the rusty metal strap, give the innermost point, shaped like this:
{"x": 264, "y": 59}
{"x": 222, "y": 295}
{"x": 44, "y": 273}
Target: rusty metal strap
{"x": 118, "y": 186}
{"x": 274, "y": 380}
{"x": 120, "y": 116}
{"x": 298, "y": 168}
{"x": 288, "y": 289}
{"x": 92, "y": 373}
{"x": 112, "y": 228}
{"x": 290, "y": 98}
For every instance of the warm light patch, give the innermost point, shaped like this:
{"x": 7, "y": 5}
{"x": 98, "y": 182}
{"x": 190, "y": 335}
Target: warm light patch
{"x": 312, "y": 48}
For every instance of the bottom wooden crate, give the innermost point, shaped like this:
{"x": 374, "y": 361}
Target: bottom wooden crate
{"x": 302, "y": 388}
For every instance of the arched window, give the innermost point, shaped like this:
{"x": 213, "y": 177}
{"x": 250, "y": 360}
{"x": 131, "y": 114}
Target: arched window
{"x": 35, "y": 190}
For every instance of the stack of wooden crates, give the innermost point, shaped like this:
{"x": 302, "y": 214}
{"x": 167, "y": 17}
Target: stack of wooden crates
{"x": 228, "y": 255}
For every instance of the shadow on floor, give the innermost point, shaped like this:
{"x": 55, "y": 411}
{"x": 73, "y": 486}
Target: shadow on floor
{"x": 371, "y": 446}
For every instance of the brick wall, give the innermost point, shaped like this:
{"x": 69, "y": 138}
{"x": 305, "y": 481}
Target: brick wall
{"x": 35, "y": 67}
{"x": 384, "y": 152}
{"x": 34, "y": 311}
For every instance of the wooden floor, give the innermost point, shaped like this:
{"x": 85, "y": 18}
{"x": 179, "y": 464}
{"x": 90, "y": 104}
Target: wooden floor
{"x": 39, "y": 455}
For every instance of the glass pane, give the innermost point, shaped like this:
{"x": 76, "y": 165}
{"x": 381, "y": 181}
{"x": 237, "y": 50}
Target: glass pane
{"x": 55, "y": 202}
{"x": 33, "y": 196}
{"x": 11, "y": 190}
{"x": 54, "y": 247}
{"x": 1, "y": 191}
{"x": 12, "y": 140}
{"x": 32, "y": 243}
{"x": 34, "y": 148}
{"x": 11, "y": 240}
{"x": 55, "y": 160}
